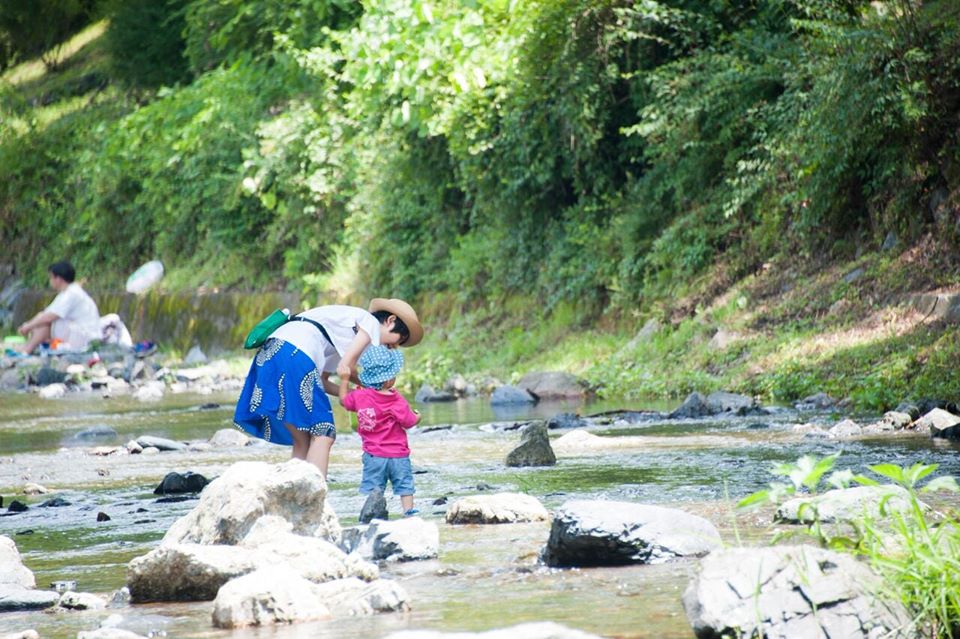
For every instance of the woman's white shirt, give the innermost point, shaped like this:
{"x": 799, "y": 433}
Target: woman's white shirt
{"x": 341, "y": 324}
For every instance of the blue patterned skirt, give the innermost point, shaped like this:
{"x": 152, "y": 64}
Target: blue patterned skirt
{"x": 283, "y": 387}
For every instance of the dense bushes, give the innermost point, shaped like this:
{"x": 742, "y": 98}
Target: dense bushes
{"x": 603, "y": 152}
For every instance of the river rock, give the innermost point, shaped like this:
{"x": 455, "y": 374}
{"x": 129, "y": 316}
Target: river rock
{"x": 47, "y": 376}
{"x": 134, "y": 448}
{"x": 536, "y": 630}
{"x": 610, "y": 533}
{"x": 12, "y": 570}
{"x": 108, "y": 633}
{"x": 177, "y": 483}
{"x": 14, "y": 598}
{"x": 150, "y": 392}
{"x": 354, "y": 597}
{"x": 52, "y": 391}
{"x": 733, "y": 403}
{"x": 459, "y": 386}
{"x": 231, "y": 504}
{"x": 694, "y": 406}
{"x": 375, "y": 507}
{"x": 187, "y": 572}
{"x": 81, "y": 601}
{"x": 268, "y": 596}
{"x": 566, "y": 420}
{"x": 844, "y": 429}
{"x": 788, "y": 591}
{"x": 507, "y": 395}
{"x": 940, "y": 423}
{"x": 100, "y": 431}
{"x": 160, "y": 443}
{"x": 35, "y": 489}
{"x": 315, "y": 559}
{"x": 229, "y": 438}
{"x": 10, "y": 379}
{"x": 22, "y": 634}
{"x": 195, "y": 356}
{"x": 407, "y": 539}
{"x": 554, "y": 385}
{"x": 818, "y": 401}
{"x": 502, "y": 508}
{"x": 534, "y": 448}
{"x": 845, "y": 504}
{"x": 428, "y": 393}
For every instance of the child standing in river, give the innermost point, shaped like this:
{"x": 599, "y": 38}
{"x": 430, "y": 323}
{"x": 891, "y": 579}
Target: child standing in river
{"x": 383, "y": 417}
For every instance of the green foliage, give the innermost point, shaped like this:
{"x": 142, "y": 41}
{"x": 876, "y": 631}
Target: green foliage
{"x": 224, "y": 31}
{"x": 145, "y": 41}
{"x": 37, "y": 27}
{"x": 918, "y": 559}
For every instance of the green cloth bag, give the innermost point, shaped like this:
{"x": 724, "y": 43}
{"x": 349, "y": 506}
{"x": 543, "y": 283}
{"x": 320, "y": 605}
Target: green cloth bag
{"x": 259, "y": 333}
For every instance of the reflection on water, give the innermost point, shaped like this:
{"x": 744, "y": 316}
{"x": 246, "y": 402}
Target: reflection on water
{"x": 486, "y": 577}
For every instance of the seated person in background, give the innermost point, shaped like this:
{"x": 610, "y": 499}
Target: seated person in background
{"x": 72, "y": 317}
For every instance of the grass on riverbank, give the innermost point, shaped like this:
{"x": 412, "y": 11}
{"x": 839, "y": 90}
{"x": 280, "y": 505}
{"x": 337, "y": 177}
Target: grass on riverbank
{"x": 844, "y": 327}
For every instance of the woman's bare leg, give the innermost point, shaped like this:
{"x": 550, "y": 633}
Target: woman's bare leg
{"x": 301, "y": 442}
{"x": 319, "y": 452}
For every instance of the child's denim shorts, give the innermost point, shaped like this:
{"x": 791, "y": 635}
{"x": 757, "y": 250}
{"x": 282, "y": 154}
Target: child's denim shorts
{"x": 377, "y": 470}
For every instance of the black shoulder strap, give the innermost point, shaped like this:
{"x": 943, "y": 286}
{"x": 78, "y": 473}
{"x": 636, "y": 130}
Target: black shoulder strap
{"x": 298, "y": 318}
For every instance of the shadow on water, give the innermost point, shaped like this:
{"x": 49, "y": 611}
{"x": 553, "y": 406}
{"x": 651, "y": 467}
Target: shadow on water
{"x": 486, "y": 576}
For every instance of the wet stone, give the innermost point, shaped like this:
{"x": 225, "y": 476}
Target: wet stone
{"x": 534, "y": 448}
{"x": 100, "y": 431}
{"x": 102, "y": 516}
{"x": 56, "y": 502}
{"x": 17, "y": 507}
{"x": 179, "y": 483}
{"x": 566, "y": 420}
{"x": 375, "y": 507}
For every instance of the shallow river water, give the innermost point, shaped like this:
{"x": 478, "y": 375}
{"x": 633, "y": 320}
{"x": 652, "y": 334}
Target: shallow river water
{"x": 485, "y": 577}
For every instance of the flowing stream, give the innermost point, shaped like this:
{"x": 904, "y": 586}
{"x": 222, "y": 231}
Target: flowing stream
{"x": 485, "y": 577}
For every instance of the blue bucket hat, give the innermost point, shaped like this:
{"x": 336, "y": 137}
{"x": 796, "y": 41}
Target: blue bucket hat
{"x": 379, "y": 364}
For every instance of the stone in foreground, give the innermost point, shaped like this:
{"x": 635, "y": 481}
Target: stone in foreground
{"x": 12, "y": 570}
{"x": 846, "y": 504}
{"x": 502, "y": 508}
{"x": 788, "y": 591}
{"x": 231, "y": 504}
{"x": 538, "y": 630}
{"x": 266, "y": 597}
{"x": 407, "y": 539}
{"x": 611, "y": 533}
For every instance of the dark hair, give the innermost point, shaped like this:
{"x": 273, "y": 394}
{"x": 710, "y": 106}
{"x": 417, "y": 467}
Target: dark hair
{"x": 63, "y": 269}
{"x": 398, "y": 327}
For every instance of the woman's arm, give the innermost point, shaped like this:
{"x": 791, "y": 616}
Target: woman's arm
{"x": 40, "y": 319}
{"x": 344, "y": 388}
{"x": 349, "y": 359}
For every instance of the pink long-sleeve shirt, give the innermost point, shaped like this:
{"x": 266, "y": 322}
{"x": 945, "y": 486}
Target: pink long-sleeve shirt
{"x": 382, "y": 420}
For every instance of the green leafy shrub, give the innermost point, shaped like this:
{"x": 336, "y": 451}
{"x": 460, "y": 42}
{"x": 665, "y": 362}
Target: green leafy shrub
{"x": 917, "y": 557}
{"x": 145, "y": 41}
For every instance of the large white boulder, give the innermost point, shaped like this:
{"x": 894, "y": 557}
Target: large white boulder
{"x": 231, "y": 504}
{"x": 501, "y": 508}
{"x": 12, "y": 570}
{"x": 187, "y": 572}
{"x": 611, "y": 533}
{"x": 789, "y": 591}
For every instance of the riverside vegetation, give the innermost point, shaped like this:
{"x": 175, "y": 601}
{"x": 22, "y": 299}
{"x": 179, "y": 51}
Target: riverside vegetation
{"x": 760, "y": 185}
{"x": 556, "y": 173}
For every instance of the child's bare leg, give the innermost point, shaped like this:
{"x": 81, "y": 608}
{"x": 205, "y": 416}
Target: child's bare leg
{"x": 301, "y": 442}
{"x": 37, "y": 335}
{"x": 407, "y": 502}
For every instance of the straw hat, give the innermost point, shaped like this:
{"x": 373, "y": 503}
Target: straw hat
{"x": 405, "y": 312}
